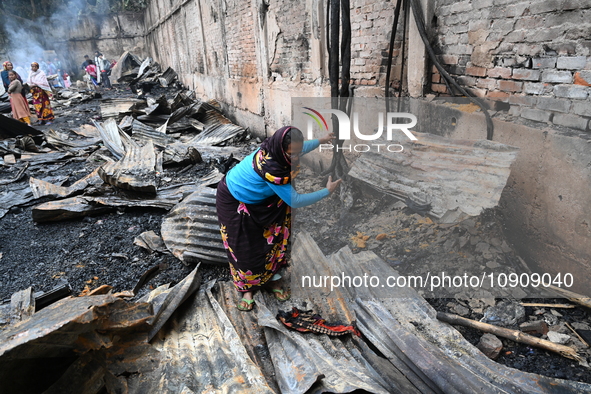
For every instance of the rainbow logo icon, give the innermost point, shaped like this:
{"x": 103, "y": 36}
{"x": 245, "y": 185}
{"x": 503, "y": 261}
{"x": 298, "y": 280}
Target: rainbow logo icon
{"x": 317, "y": 117}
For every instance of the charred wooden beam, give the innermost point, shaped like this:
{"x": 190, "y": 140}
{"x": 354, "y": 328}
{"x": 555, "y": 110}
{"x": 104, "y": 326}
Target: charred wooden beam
{"x": 514, "y": 335}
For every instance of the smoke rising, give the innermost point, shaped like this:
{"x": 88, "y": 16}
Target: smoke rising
{"x": 45, "y": 37}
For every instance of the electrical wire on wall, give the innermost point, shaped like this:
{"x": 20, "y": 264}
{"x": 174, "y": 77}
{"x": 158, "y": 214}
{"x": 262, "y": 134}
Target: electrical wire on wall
{"x": 418, "y": 15}
{"x": 447, "y": 78}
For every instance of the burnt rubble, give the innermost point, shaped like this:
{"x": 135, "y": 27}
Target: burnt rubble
{"x": 112, "y": 208}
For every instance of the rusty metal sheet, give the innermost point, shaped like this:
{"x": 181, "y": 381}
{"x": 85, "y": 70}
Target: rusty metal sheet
{"x": 117, "y": 108}
{"x": 42, "y": 188}
{"x": 135, "y": 171}
{"x": 63, "y": 141}
{"x": 203, "y": 353}
{"x": 15, "y": 196}
{"x": 404, "y": 327}
{"x": 459, "y": 178}
{"x": 191, "y": 230}
{"x": 218, "y": 128}
{"x": 69, "y": 208}
{"x": 63, "y": 330}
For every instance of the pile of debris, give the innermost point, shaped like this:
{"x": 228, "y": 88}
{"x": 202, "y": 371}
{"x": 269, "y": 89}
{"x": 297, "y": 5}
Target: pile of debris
{"x": 111, "y": 151}
{"x": 143, "y": 76}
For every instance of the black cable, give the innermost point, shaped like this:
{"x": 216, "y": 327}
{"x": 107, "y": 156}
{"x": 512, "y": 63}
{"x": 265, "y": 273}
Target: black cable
{"x": 418, "y": 14}
{"x": 390, "y": 52}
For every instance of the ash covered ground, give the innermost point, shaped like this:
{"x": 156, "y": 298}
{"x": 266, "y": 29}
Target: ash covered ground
{"x": 99, "y": 249}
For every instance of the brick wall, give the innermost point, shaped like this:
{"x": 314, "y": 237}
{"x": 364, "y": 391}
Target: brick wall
{"x": 371, "y": 25}
{"x": 240, "y": 41}
{"x": 535, "y": 56}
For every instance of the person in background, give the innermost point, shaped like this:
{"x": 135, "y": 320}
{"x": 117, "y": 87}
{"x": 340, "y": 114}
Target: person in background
{"x": 8, "y": 67}
{"x": 42, "y": 66}
{"x": 254, "y": 202}
{"x": 60, "y": 72}
{"x": 51, "y": 70}
{"x": 104, "y": 66}
{"x": 19, "y": 105}
{"x": 92, "y": 72}
{"x": 41, "y": 92}
{"x": 96, "y": 61}
{"x": 86, "y": 60}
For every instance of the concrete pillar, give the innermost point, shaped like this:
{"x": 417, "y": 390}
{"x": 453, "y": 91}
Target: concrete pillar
{"x": 417, "y": 54}
{"x": 318, "y": 55}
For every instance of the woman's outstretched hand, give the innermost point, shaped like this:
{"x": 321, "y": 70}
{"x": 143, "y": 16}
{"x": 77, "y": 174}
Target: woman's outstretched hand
{"x": 332, "y": 186}
{"x": 325, "y": 139}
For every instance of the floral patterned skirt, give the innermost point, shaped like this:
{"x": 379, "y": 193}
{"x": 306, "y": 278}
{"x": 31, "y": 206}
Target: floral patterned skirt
{"x": 255, "y": 237}
{"x": 42, "y": 104}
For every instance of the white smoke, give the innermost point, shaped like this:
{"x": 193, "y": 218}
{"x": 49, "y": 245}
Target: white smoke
{"x": 44, "y": 38}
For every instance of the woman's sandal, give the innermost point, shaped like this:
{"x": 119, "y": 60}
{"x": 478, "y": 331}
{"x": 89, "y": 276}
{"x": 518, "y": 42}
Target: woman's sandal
{"x": 245, "y": 305}
{"x": 281, "y": 295}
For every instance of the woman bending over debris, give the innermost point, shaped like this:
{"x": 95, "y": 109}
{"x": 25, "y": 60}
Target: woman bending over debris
{"x": 41, "y": 92}
{"x": 254, "y": 202}
{"x": 19, "y": 104}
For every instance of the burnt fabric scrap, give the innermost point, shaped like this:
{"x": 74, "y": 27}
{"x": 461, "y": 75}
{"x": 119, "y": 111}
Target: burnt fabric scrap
{"x": 308, "y": 321}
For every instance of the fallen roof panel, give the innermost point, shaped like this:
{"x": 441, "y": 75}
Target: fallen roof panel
{"x": 191, "y": 230}
{"x": 135, "y": 171}
{"x": 203, "y": 353}
{"x": 459, "y": 178}
{"x": 42, "y": 188}
{"x": 404, "y": 327}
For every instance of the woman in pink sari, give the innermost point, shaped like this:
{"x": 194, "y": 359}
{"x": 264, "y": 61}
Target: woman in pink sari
{"x": 20, "y": 106}
{"x": 41, "y": 92}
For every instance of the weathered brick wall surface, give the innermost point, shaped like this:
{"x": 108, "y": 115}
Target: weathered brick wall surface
{"x": 277, "y": 43}
{"x": 240, "y": 40}
{"x": 291, "y": 57}
{"x": 371, "y": 25}
{"x": 532, "y": 55}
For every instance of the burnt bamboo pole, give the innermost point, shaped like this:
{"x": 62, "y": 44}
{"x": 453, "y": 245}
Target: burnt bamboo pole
{"x": 514, "y": 335}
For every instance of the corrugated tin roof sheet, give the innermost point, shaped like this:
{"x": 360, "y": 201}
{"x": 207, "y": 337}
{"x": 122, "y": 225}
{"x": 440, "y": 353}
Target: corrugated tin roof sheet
{"x": 191, "y": 230}
{"x": 458, "y": 178}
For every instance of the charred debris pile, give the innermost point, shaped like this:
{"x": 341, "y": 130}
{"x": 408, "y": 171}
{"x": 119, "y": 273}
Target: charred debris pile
{"x": 147, "y": 146}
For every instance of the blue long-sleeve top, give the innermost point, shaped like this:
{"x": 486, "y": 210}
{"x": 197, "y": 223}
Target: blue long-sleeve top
{"x": 248, "y": 187}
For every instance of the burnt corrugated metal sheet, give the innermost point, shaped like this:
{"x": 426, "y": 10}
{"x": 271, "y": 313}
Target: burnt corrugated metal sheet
{"x": 114, "y": 139}
{"x": 201, "y": 353}
{"x": 53, "y": 337}
{"x": 63, "y": 141}
{"x": 218, "y": 128}
{"x": 135, "y": 171}
{"x": 191, "y": 230}
{"x": 404, "y": 328}
{"x": 42, "y": 188}
{"x": 117, "y": 108}
{"x": 459, "y": 178}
